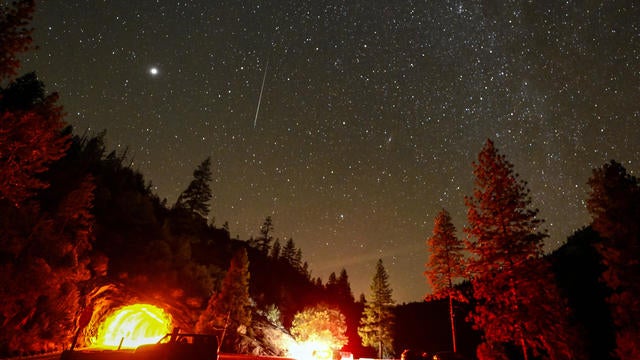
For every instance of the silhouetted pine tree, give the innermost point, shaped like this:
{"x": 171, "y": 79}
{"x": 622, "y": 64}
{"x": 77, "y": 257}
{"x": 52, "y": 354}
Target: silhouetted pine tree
{"x": 343, "y": 289}
{"x": 263, "y": 242}
{"x": 332, "y": 283}
{"x": 289, "y": 253}
{"x": 276, "y": 250}
{"x": 614, "y": 204}
{"x": 198, "y": 194}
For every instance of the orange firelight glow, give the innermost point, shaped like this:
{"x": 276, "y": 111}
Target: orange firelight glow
{"x": 310, "y": 350}
{"x": 131, "y": 326}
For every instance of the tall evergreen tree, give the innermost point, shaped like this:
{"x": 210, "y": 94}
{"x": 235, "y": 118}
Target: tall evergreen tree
{"x": 614, "y": 204}
{"x": 339, "y": 291}
{"x": 197, "y": 196}
{"x": 276, "y": 250}
{"x": 377, "y": 320}
{"x": 263, "y": 242}
{"x": 343, "y": 288}
{"x": 445, "y": 265}
{"x": 297, "y": 260}
{"x": 231, "y": 307}
{"x": 332, "y": 282}
{"x": 517, "y": 300}
{"x": 289, "y": 253}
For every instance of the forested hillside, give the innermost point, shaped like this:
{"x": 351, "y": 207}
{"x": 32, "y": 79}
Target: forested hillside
{"x": 82, "y": 233}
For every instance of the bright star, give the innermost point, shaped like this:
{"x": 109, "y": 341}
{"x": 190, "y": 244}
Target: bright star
{"x": 153, "y": 71}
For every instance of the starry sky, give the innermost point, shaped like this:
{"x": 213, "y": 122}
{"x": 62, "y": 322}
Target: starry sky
{"x": 370, "y": 113}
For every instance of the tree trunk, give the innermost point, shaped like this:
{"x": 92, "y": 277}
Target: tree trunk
{"x": 453, "y": 326}
{"x": 524, "y": 348}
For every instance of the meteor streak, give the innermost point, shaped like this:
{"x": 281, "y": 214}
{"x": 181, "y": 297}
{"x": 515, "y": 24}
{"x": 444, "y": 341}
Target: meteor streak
{"x": 264, "y": 77}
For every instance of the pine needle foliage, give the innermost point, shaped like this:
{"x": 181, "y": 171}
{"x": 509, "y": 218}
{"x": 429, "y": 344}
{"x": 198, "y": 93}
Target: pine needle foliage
{"x": 517, "y": 302}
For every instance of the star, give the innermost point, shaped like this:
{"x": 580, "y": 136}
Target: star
{"x": 154, "y": 71}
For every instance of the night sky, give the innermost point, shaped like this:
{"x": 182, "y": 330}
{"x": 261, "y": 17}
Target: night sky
{"x": 370, "y": 116}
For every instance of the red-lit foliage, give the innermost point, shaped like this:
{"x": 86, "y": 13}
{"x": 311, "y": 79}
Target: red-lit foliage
{"x": 446, "y": 260}
{"x": 30, "y": 140}
{"x": 45, "y": 258}
{"x": 44, "y": 245}
{"x": 614, "y": 204}
{"x": 517, "y": 300}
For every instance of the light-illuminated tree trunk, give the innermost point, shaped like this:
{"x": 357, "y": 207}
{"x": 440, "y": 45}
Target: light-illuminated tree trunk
{"x": 453, "y": 325}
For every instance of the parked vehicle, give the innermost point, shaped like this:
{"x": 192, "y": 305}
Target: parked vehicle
{"x": 176, "y": 346}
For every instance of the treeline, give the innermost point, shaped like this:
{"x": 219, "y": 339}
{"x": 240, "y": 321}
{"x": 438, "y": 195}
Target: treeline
{"x": 528, "y": 305}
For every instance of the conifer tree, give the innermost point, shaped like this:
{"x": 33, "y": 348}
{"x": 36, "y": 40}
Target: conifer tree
{"x": 614, "y": 204}
{"x": 266, "y": 229}
{"x": 198, "y": 194}
{"x": 231, "y": 307}
{"x": 344, "y": 287}
{"x": 276, "y": 250}
{"x": 517, "y": 300}
{"x": 289, "y": 252}
{"x": 304, "y": 270}
{"x": 297, "y": 260}
{"x": 376, "y": 323}
{"x": 339, "y": 288}
{"x": 446, "y": 264}
{"x": 332, "y": 282}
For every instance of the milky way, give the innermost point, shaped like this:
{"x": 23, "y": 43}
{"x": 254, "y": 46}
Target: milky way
{"x": 370, "y": 115}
